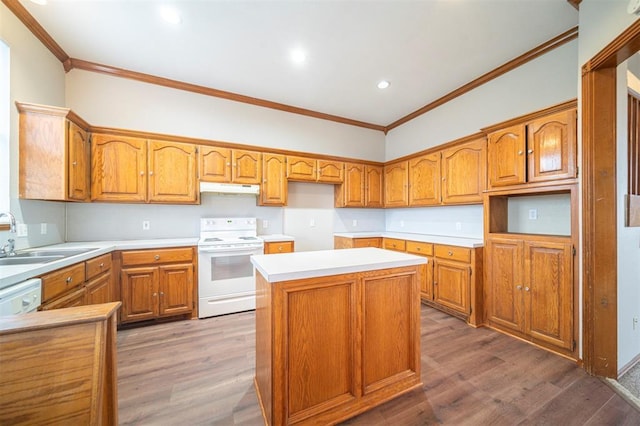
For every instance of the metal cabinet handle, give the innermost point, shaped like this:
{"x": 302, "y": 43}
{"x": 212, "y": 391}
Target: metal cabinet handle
{"x": 530, "y": 151}
{"x": 162, "y": 293}
{"x": 141, "y": 173}
{"x": 155, "y": 294}
{"x": 527, "y": 289}
{"x": 520, "y": 152}
{"x": 101, "y": 265}
{"x": 418, "y": 248}
{"x": 450, "y": 253}
{"x": 156, "y": 257}
{"x": 75, "y": 163}
{"x": 151, "y": 173}
{"x": 519, "y": 287}
{"x": 69, "y": 279}
{"x": 280, "y": 248}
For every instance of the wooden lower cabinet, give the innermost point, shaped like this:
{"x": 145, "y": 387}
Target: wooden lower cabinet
{"x": 530, "y": 291}
{"x": 157, "y": 283}
{"x": 426, "y": 250}
{"x": 85, "y": 283}
{"x": 321, "y": 365}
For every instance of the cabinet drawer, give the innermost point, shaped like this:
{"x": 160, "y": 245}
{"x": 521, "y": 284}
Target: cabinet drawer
{"x": 62, "y": 280}
{"x": 98, "y": 265}
{"x": 393, "y": 244}
{"x": 425, "y": 249}
{"x": 278, "y": 247}
{"x": 146, "y": 257}
{"x": 367, "y": 242}
{"x": 460, "y": 254}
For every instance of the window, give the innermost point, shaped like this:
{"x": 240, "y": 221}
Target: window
{"x": 5, "y": 102}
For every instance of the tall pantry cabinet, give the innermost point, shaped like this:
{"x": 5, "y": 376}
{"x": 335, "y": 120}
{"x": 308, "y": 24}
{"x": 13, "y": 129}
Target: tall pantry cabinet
{"x": 531, "y": 272}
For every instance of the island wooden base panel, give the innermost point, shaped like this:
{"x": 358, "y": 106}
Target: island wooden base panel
{"x": 471, "y": 376}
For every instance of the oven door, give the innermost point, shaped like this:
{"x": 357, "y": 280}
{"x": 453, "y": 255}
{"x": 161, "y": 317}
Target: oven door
{"x": 226, "y": 280}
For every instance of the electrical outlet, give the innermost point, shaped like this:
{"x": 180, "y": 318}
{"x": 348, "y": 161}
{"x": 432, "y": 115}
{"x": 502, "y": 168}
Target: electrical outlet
{"x": 458, "y": 226}
{"x": 355, "y": 223}
{"x": 635, "y": 322}
{"x": 265, "y": 224}
{"x": 312, "y": 223}
{"x": 22, "y": 230}
{"x": 43, "y": 229}
{"x": 402, "y": 224}
{"x": 533, "y": 214}
{"x": 146, "y": 225}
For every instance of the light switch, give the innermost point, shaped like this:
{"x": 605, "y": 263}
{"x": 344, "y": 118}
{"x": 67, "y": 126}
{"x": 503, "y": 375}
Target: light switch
{"x": 533, "y": 214}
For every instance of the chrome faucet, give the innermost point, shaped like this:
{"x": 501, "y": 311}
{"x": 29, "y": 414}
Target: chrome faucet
{"x": 12, "y": 221}
{"x": 9, "y": 248}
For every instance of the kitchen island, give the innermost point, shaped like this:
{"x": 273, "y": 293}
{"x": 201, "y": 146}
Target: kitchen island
{"x": 337, "y": 332}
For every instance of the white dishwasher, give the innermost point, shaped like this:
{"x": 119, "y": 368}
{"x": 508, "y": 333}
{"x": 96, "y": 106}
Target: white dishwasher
{"x": 21, "y": 298}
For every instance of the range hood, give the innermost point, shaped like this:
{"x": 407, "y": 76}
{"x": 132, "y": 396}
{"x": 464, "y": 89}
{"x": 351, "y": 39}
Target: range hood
{"x": 229, "y": 188}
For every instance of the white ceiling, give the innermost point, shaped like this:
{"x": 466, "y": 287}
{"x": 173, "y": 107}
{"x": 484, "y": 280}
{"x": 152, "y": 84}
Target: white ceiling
{"x": 425, "y": 48}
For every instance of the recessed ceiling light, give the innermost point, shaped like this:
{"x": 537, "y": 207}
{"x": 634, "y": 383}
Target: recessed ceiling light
{"x": 383, "y": 84}
{"x": 40, "y": 2}
{"x": 170, "y": 15}
{"x": 298, "y": 56}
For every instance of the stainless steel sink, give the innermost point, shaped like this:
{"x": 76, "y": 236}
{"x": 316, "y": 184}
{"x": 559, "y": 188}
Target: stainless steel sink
{"x": 27, "y": 260}
{"x": 53, "y": 252}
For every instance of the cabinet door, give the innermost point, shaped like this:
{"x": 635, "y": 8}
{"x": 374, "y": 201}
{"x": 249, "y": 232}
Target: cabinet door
{"x": 247, "y": 167}
{"x": 551, "y": 147}
{"x": 172, "y": 172}
{"x": 505, "y": 283}
{"x": 374, "y": 196}
{"x": 118, "y": 168}
{"x": 100, "y": 289}
{"x": 367, "y": 242}
{"x": 549, "y": 292}
{"x": 139, "y": 293}
{"x": 215, "y": 164}
{"x": 351, "y": 192}
{"x": 396, "y": 191}
{"x": 424, "y": 180}
{"x": 464, "y": 172}
{"x": 176, "y": 289}
{"x": 78, "y": 167}
{"x": 274, "y": 185}
{"x": 506, "y": 156}
{"x": 451, "y": 285}
{"x": 330, "y": 171}
{"x": 301, "y": 168}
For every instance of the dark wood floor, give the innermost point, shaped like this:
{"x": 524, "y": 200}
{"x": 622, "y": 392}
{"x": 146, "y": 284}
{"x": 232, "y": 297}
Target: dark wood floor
{"x": 200, "y": 372}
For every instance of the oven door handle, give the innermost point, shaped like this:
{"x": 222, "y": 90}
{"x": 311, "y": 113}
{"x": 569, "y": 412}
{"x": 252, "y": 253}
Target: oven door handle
{"x": 234, "y": 251}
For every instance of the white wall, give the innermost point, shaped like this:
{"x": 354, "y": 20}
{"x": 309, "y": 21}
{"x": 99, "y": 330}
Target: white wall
{"x": 115, "y": 102}
{"x": 545, "y": 81}
{"x": 36, "y": 77}
{"x": 437, "y": 221}
{"x": 600, "y": 23}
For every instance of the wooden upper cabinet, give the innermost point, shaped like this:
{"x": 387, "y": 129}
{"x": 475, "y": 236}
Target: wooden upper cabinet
{"x": 274, "y": 183}
{"x": 551, "y": 147}
{"x": 424, "y": 180}
{"x": 396, "y": 187}
{"x": 464, "y": 172}
{"x": 215, "y": 164}
{"x": 246, "y": 166}
{"x": 539, "y": 150}
{"x": 301, "y": 168}
{"x": 172, "y": 172}
{"x": 352, "y": 192}
{"x": 330, "y": 171}
{"x": 373, "y": 187}
{"x": 506, "y": 156}
{"x": 54, "y": 154}
{"x": 118, "y": 168}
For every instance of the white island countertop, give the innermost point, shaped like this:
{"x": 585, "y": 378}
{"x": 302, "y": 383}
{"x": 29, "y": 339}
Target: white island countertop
{"x": 311, "y": 264}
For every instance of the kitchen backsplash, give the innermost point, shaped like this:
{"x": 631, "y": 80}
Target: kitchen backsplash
{"x": 453, "y": 221}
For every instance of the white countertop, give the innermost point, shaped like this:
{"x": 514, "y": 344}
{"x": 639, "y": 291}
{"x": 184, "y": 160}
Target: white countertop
{"x": 424, "y": 238}
{"x": 14, "y": 274}
{"x": 269, "y": 238}
{"x": 310, "y": 264}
